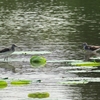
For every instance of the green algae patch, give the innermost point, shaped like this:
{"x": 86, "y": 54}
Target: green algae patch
{"x": 37, "y": 61}
{"x": 20, "y": 82}
{"x": 3, "y": 84}
{"x": 39, "y": 95}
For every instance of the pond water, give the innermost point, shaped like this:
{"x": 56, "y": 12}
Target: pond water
{"x": 56, "y": 26}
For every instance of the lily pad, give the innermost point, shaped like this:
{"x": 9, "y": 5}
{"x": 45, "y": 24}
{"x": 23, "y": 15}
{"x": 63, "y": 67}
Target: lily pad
{"x": 3, "y": 84}
{"x": 73, "y": 82}
{"x": 86, "y": 64}
{"x": 36, "y": 61}
{"x": 39, "y": 95}
{"x": 20, "y": 82}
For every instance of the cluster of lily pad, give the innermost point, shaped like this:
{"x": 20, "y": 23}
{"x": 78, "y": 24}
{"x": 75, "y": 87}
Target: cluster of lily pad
{"x": 3, "y": 84}
{"x": 37, "y": 61}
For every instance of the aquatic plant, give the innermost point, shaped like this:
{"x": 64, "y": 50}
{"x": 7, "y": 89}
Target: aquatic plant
{"x": 37, "y": 61}
{"x": 20, "y": 82}
{"x": 3, "y": 84}
{"x": 39, "y": 95}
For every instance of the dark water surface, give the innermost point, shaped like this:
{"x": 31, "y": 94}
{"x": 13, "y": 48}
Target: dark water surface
{"x": 58, "y": 26}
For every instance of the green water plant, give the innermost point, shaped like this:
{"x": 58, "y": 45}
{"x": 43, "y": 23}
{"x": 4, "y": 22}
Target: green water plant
{"x": 39, "y": 95}
{"x": 37, "y": 61}
{"x": 3, "y": 84}
{"x": 20, "y": 82}
{"x": 74, "y": 82}
{"x": 86, "y": 64}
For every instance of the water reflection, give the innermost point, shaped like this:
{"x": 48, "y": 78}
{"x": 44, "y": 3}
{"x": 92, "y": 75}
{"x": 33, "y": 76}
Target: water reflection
{"x": 7, "y": 67}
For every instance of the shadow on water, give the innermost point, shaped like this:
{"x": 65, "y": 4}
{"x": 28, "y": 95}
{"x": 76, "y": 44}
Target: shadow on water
{"x": 7, "y": 67}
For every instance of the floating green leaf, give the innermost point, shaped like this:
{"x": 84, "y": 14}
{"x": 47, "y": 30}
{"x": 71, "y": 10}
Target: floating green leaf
{"x": 20, "y": 82}
{"x": 3, "y": 84}
{"x": 36, "y": 61}
{"x": 86, "y": 64}
{"x": 73, "y": 82}
{"x": 39, "y": 95}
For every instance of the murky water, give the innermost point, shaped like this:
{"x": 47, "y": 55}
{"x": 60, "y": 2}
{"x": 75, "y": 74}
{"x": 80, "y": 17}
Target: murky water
{"x": 58, "y": 26}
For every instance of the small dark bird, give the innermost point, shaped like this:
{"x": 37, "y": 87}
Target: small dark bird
{"x": 91, "y": 51}
{"x": 8, "y": 51}
{"x": 90, "y": 47}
